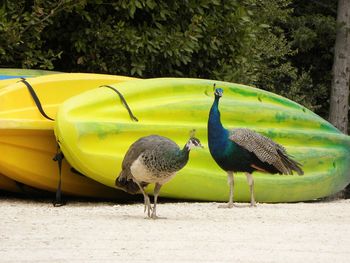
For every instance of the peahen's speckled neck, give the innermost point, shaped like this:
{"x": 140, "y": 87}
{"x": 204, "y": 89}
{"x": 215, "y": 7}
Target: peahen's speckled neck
{"x": 184, "y": 153}
{"x": 179, "y": 159}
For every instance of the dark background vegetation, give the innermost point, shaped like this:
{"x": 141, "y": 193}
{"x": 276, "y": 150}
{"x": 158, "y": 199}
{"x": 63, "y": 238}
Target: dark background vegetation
{"x": 284, "y": 46}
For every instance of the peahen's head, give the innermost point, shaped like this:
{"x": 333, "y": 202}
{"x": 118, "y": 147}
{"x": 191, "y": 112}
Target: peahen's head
{"x": 218, "y": 92}
{"x": 193, "y": 142}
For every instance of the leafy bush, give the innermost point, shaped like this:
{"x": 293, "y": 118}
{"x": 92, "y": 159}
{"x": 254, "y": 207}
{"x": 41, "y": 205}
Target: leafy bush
{"x": 284, "y": 46}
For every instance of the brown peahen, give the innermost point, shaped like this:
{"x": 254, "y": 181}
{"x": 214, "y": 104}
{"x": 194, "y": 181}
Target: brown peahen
{"x": 152, "y": 159}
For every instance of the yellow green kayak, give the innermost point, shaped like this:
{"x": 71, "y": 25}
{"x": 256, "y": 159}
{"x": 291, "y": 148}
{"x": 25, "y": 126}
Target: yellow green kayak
{"x": 94, "y": 130}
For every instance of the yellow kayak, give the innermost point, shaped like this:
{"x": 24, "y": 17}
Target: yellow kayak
{"x": 8, "y": 184}
{"x": 8, "y": 73}
{"x": 12, "y": 75}
{"x": 8, "y": 77}
{"x": 6, "y": 82}
{"x": 27, "y": 141}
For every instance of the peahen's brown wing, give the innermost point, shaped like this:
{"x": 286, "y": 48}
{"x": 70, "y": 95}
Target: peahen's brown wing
{"x": 125, "y": 178}
{"x": 265, "y": 149}
{"x": 141, "y": 145}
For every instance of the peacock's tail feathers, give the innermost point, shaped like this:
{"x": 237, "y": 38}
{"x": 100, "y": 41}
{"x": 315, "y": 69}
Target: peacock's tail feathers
{"x": 289, "y": 164}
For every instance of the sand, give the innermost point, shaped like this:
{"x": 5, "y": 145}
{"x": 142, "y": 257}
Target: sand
{"x": 35, "y": 231}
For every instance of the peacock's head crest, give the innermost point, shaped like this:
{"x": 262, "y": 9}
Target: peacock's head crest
{"x": 218, "y": 92}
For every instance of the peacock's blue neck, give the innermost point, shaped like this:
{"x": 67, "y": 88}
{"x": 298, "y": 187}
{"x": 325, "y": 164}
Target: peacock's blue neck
{"x": 227, "y": 154}
{"x": 217, "y": 134}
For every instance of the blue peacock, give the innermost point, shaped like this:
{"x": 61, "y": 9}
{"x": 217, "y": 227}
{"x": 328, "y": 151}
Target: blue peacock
{"x": 243, "y": 150}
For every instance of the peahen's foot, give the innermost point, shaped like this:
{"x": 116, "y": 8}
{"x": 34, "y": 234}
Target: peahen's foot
{"x": 154, "y": 216}
{"x": 148, "y": 207}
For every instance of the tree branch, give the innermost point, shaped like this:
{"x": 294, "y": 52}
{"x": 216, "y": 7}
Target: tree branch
{"x": 52, "y": 13}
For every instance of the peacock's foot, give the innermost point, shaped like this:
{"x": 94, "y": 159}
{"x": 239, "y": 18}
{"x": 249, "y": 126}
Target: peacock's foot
{"x": 228, "y": 205}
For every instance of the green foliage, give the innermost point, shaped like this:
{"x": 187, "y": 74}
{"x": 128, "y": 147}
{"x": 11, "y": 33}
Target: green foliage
{"x": 312, "y": 31}
{"x": 21, "y": 26}
{"x": 284, "y": 46}
{"x": 271, "y": 69}
{"x": 157, "y": 38}
{"x": 294, "y": 50}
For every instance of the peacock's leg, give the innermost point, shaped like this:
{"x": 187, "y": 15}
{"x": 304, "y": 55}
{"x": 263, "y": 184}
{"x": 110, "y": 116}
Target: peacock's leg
{"x": 146, "y": 200}
{"x": 250, "y": 180}
{"x": 155, "y": 192}
{"x": 230, "y": 181}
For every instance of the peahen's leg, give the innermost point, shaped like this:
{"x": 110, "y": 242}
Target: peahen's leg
{"x": 230, "y": 181}
{"x": 155, "y": 192}
{"x": 250, "y": 180}
{"x": 146, "y": 200}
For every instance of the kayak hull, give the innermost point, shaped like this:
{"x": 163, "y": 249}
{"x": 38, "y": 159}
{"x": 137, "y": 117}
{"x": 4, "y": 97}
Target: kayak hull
{"x": 94, "y": 131}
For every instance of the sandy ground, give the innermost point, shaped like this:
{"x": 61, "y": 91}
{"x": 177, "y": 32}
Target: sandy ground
{"x": 35, "y": 231}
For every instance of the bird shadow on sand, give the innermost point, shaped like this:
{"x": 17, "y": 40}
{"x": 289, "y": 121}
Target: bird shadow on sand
{"x": 243, "y": 206}
{"x": 142, "y": 217}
